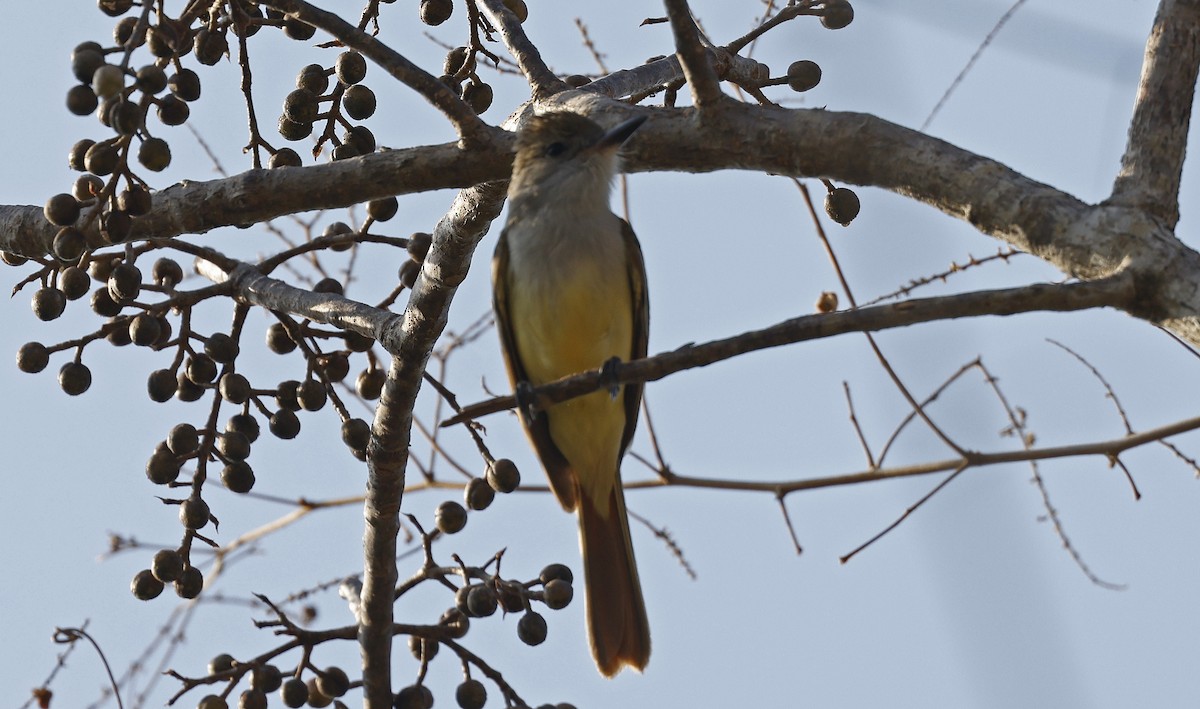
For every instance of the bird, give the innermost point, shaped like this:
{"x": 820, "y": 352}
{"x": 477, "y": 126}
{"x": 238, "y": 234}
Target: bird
{"x": 569, "y": 293}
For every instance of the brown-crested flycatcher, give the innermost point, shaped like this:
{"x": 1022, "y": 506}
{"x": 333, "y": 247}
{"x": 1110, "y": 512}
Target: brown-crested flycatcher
{"x": 570, "y": 295}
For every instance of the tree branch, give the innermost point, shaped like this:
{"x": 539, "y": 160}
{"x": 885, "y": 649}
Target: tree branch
{"x": 1152, "y": 166}
{"x": 445, "y": 267}
{"x": 543, "y": 83}
{"x": 471, "y": 129}
{"x": 251, "y": 286}
{"x": 1107, "y": 449}
{"x": 1083, "y": 241}
{"x": 693, "y": 55}
{"x": 1116, "y": 292}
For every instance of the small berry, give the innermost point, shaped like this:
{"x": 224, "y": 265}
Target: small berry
{"x": 194, "y": 513}
{"x": 333, "y": 682}
{"x": 284, "y": 424}
{"x": 154, "y": 154}
{"x": 518, "y": 8}
{"x": 74, "y": 378}
{"x": 312, "y": 395}
{"x": 356, "y": 433}
{"x": 244, "y": 424}
{"x": 556, "y": 571}
{"x": 478, "y": 494}
{"x": 234, "y": 388}
{"x": 384, "y": 209}
{"x": 558, "y": 594}
{"x": 503, "y": 475}
{"x": 221, "y": 663}
{"x": 471, "y": 694}
{"x": 201, "y": 369}
{"x": 369, "y": 384}
{"x": 108, "y": 80}
{"x": 185, "y": 84}
{"x": 285, "y": 157}
{"x": 166, "y": 272}
{"x": 234, "y": 446}
{"x": 145, "y": 586}
{"x": 531, "y": 629}
{"x": 478, "y": 95}
{"x": 294, "y": 693}
{"x": 266, "y": 678}
{"x": 125, "y": 283}
{"x": 418, "y": 245}
{"x": 167, "y": 565}
{"x": 61, "y": 210}
{"x": 190, "y": 584}
{"x": 313, "y": 77}
{"x": 423, "y": 648}
{"x": 842, "y": 205}
{"x": 48, "y": 303}
{"x": 455, "y": 623}
{"x": 32, "y": 357}
{"x": 161, "y": 385}
{"x": 350, "y": 68}
{"x": 435, "y": 12}
{"x": 415, "y": 696}
{"x": 252, "y": 699}
{"x": 359, "y": 102}
{"x": 803, "y": 75}
{"x": 450, "y": 517}
{"x": 837, "y": 14}
{"x": 163, "y": 466}
{"x": 69, "y": 245}
{"x": 74, "y": 282}
{"x": 482, "y": 601}
{"x": 316, "y": 698}
{"x": 238, "y": 476}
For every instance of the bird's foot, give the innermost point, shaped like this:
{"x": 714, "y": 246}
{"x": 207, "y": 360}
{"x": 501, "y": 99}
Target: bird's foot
{"x": 526, "y": 402}
{"x": 608, "y": 376}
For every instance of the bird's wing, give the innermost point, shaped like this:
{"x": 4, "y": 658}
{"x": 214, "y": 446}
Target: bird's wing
{"x": 641, "y": 328}
{"x": 558, "y": 470}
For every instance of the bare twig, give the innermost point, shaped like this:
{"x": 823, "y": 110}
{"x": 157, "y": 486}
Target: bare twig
{"x": 905, "y": 515}
{"x": 70, "y": 635}
{"x": 862, "y": 439}
{"x": 1016, "y": 420}
{"x": 987, "y": 42}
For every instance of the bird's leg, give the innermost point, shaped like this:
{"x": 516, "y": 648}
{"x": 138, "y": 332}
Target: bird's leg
{"x": 608, "y": 376}
{"x": 526, "y": 402}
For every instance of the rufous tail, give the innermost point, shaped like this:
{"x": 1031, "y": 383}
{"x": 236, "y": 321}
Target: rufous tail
{"x": 616, "y": 613}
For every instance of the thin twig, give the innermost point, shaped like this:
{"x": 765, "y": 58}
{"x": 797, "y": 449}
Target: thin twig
{"x": 987, "y": 41}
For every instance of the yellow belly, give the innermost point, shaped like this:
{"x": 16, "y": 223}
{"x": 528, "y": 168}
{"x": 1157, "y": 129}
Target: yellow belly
{"x": 570, "y": 321}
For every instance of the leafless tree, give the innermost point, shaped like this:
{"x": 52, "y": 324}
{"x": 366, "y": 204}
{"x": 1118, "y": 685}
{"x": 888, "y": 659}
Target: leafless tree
{"x": 1122, "y": 253}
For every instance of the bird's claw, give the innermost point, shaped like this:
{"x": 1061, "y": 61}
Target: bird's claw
{"x": 608, "y": 376}
{"x": 526, "y": 402}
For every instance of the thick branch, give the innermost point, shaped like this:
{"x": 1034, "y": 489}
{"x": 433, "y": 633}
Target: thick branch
{"x": 257, "y": 196}
{"x": 445, "y": 267}
{"x": 543, "y": 83}
{"x": 1116, "y": 292}
{"x": 706, "y": 90}
{"x": 1152, "y": 166}
{"x": 1084, "y": 241}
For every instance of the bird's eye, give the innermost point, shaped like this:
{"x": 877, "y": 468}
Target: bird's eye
{"x": 555, "y": 149}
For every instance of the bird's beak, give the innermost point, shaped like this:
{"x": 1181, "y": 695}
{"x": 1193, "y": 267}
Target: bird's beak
{"x": 619, "y": 133}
